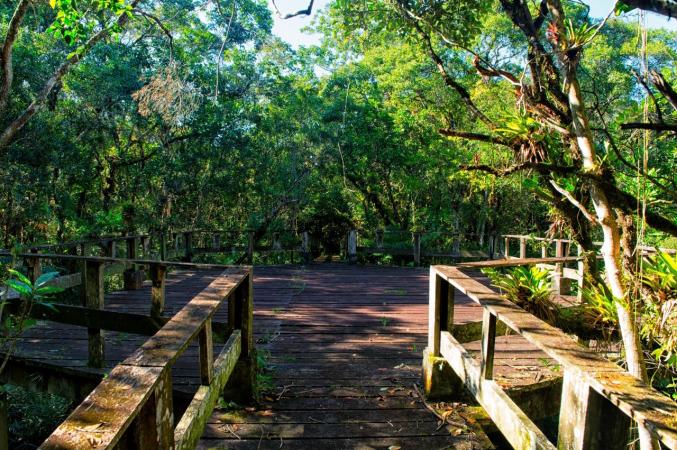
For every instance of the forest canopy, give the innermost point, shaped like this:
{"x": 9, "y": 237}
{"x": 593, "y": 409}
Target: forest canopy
{"x": 479, "y": 117}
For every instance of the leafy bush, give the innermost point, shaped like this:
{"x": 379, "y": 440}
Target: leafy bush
{"x": 33, "y": 416}
{"x": 659, "y": 312}
{"x": 528, "y": 288}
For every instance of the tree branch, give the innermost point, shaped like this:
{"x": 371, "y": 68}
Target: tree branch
{"x": 6, "y": 52}
{"x": 566, "y": 194}
{"x": 650, "y": 126}
{"x": 475, "y": 137}
{"x": 302, "y": 12}
{"x": 38, "y": 104}
{"x": 663, "y": 87}
{"x": 663, "y": 7}
{"x": 538, "y": 167}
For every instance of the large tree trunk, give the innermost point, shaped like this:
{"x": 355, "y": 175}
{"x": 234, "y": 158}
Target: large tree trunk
{"x": 611, "y": 248}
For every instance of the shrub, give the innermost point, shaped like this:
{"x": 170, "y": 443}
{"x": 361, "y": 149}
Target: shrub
{"x": 527, "y": 287}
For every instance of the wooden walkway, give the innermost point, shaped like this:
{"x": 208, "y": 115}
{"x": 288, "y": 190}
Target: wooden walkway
{"x": 343, "y": 346}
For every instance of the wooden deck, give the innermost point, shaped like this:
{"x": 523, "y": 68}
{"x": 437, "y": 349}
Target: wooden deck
{"x": 343, "y": 346}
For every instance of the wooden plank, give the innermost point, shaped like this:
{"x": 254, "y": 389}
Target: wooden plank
{"x": 103, "y": 417}
{"x": 516, "y": 262}
{"x": 168, "y": 343}
{"x": 588, "y": 420}
{"x": 434, "y": 312}
{"x": 94, "y": 299}
{"x": 206, "y": 353}
{"x": 634, "y": 398}
{"x": 96, "y": 318}
{"x": 488, "y": 345}
{"x": 192, "y": 423}
{"x": 517, "y": 428}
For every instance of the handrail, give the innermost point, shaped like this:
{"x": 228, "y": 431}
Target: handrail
{"x": 593, "y": 386}
{"x": 133, "y": 405}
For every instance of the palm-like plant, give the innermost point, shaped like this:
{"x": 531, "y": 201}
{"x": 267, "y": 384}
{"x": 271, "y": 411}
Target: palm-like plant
{"x": 528, "y": 288}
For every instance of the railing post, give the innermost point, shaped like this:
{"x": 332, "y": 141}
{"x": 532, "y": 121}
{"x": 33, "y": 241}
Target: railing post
{"x": 416, "y": 237}
{"x": 379, "y": 238}
{"x": 588, "y": 420}
{"x": 154, "y": 425}
{"x": 177, "y": 244}
{"x": 439, "y": 380}
{"x": 144, "y": 247}
{"x": 34, "y": 267}
{"x": 94, "y": 299}
{"x": 276, "y": 241}
{"x": 133, "y": 278}
{"x": 352, "y": 246}
{"x": 581, "y": 274}
{"x": 507, "y": 248}
{"x": 163, "y": 245}
{"x": 305, "y": 246}
{"x": 544, "y": 249}
{"x": 158, "y": 273}
{"x": 523, "y": 247}
{"x": 132, "y": 244}
{"x": 216, "y": 241}
{"x": 488, "y": 345}
{"x": 456, "y": 245}
{"x": 250, "y": 247}
{"x": 206, "y": 353}
{"x": 110, "y": 248}
{"x": 241, "y": 384}
{"x": 188, "y": 245}
{"x": 561, "y": 285}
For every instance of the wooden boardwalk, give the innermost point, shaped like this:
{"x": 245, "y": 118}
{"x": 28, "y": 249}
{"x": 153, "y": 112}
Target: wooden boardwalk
{"x": 343, "y": 347}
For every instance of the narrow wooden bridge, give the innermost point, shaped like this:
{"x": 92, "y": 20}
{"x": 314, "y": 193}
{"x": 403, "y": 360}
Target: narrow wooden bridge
{"x": 339, "y": 355}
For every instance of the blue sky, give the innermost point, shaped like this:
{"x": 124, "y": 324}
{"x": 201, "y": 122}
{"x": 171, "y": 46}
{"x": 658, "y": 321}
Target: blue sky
{"x": 290, "y": 29}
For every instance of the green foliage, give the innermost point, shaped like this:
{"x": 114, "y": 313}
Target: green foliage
{"x": 528, "y": 288}
{"x": 32, "y": 415}
{"x": 659, "y": 315}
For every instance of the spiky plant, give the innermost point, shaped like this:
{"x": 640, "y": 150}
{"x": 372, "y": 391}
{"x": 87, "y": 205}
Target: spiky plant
{"x": 527, "y": 287}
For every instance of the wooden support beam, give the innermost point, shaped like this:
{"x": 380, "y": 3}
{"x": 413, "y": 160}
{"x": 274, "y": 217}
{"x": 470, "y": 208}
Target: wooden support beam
{"x": 110, "y": 248}
{"x": 488, "y": 345}
{"x": 188, "y": 246}
{"x": 507, "y": 247}
{"x": 34, "y": 268}
{"x": 587, "y": 420}
{"x": 250, "y": 247}
{"x": 305, "y": 247}
{"x": 352, "y": 246}
{"x": 191, "y": 426}
{"x": 158, "y": 274}
{"x": 516, "y": 427}
{"x": 163, "y": 245}
{"x": 434, "y": 306}
{"x": 94, "y": 299}
{"x": 379, "y": 239}
{"x": 416, "y": 239}
{"x": 206, "y": 353}
{"x": 523, "y": 247}
{"x": 145, "y": 247}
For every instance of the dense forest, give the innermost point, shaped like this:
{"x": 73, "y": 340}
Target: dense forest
{"x": 481, "y": 117}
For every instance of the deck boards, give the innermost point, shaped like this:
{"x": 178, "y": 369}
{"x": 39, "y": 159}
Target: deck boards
{"x": 345, "y": 343}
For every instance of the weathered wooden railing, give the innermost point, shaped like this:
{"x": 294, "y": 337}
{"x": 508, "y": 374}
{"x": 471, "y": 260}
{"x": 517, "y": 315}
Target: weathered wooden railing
{"x": 599, "y": 399}
{"x": 429, "y": 244}
{"x": 91, "y": 311}
{"x": 132, "y": 406}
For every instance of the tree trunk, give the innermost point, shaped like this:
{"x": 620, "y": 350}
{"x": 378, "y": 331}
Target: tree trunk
{"x": 611, "y": 248}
